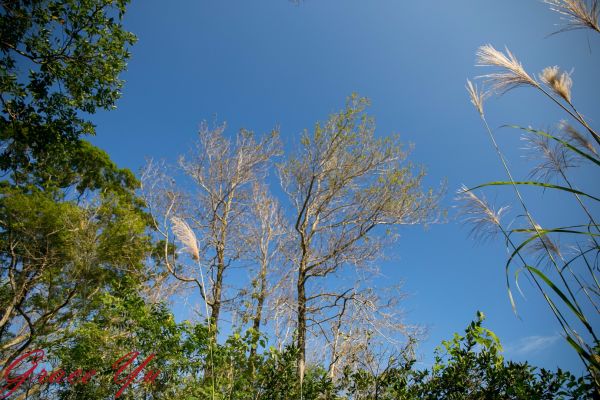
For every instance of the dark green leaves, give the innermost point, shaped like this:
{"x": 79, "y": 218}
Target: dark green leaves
{"x": 60, "y": 60}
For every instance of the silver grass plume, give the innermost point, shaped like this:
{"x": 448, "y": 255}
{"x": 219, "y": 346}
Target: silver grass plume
{"x": 576, "y": 137}
{"x": 559, "y": 82}
{"x": 577, "y": 13}
{"x": 186, "y": 236}
{"x": 513, "y": 74}
{"x": 544, "y": 244}
{"x": 485, "y": 221}
{"x": 552, "y": 158}
{"x": 477, "y": 96}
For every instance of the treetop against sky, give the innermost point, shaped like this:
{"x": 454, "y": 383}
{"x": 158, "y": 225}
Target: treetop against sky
{"x": 353, "y": 179}
{"x": 275, "y": 64}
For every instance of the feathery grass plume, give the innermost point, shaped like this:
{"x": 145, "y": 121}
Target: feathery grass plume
{"x": 543, "y": 245}
{"x": 485, "y": 221}
{"x": 477, "y": 96}
{"x": 577, "y": 13}
{"x": 514, "y": 74}
{"x": 186, "y": 236}
{"x": 576, "y": 137}
{"x": 553, "y": 158}
{"x": 559, "y": 82}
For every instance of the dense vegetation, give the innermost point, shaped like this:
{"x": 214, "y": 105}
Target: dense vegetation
{"x": 90, "y": 254}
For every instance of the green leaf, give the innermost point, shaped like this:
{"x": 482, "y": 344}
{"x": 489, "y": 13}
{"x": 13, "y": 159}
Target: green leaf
{"x": 534, "y": 183}
{"x": 563, "y": 297}
{"x": 593, "y": 159}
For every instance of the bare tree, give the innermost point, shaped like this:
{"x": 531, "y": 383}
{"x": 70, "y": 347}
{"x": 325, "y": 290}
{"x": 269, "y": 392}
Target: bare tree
{"x": 282, "y": 308}
{"x": 165, "y": 202}
{"x": 223, "y": 172}
{"x": 364, "y": 319}
{"x": 343, "y": 183}
{"x": 263, "y": 237}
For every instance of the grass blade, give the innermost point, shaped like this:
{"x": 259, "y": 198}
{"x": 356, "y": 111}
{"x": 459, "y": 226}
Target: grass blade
{"x": 563, "y": 297}
{"x": 535, "y": 183}
{"x": 593, "y": 159}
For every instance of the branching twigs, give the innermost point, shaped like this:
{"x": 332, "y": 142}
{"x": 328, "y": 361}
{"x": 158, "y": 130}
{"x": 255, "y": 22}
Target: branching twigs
{"x": 344, "y": 183}
{"x": 223, "y": 171}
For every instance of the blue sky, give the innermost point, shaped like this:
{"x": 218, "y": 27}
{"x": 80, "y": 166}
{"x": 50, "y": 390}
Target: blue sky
{"x": 258, "y": 64}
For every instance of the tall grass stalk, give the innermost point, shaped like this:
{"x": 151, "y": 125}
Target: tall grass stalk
{"x": 187, "y": 237}
{"x": 557, "y": 159}
{"x": 477, "y": 99}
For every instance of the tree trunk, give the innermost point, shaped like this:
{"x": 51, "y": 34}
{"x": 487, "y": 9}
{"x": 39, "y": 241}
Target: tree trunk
{"x": 217, "y": 290}
{"x": 301, "y": 341}
{"x": 259, "y": 306}
{"x": 218, "y": 286}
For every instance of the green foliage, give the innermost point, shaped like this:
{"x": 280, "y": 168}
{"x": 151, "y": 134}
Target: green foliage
{"x": 57, "y": 256}
{"x": 75, "y": 248}
{"x": 83, "y": 167}
{"x": 71, "y": 228}
{"x": 122, "y": 324}
{"x": 468, "y": 366}
{"x": 277, "y": 377}
{"x": 73, "y": 52}
{"x": 471, "y": 366}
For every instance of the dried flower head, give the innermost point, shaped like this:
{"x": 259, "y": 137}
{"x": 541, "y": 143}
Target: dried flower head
{"x": 577, "y": 13}
{"x": 553, "y": 157}
{"x": 513, "y": 74}
{"x": 186, "y": 236}
{"x": 477, "y": 96}
{"x": 544, "y": 246}
{"x": 485, "y": 221}
{"x": 576, "y": 137}
{"x": 559, "y": 81}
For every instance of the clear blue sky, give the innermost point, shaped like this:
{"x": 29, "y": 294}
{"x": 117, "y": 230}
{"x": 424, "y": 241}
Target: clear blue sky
{"x": 257, "y": 64}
